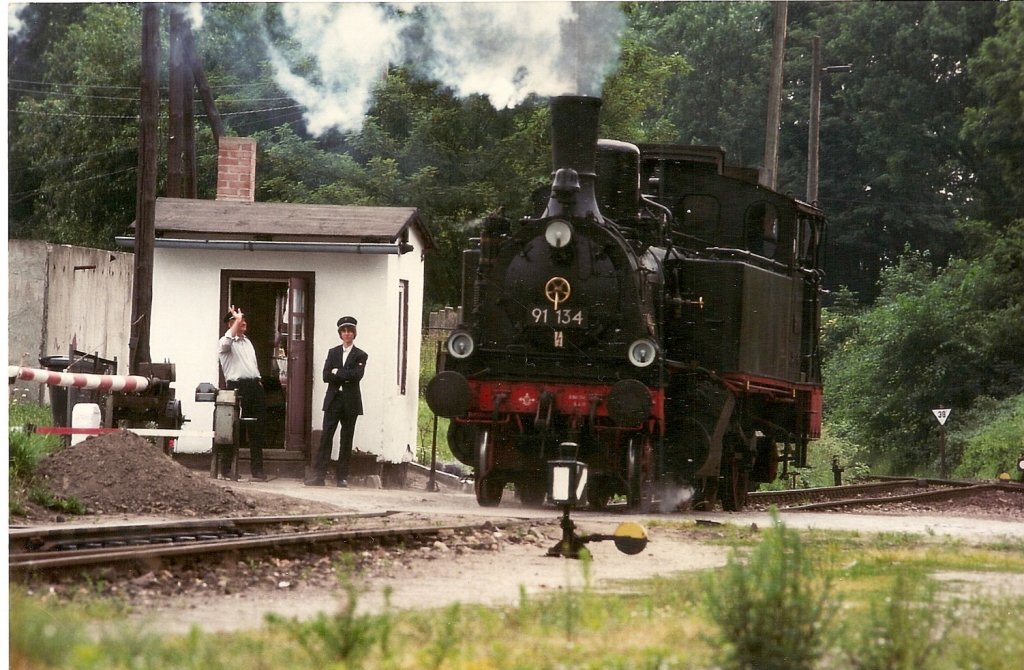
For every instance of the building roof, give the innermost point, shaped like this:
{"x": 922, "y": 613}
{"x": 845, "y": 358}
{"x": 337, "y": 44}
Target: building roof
{"x": 279, "y": 221}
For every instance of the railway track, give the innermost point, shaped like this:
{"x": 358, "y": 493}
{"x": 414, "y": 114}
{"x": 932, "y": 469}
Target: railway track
{"x": 886, "y": 492}
{"x": 40, "y": 550}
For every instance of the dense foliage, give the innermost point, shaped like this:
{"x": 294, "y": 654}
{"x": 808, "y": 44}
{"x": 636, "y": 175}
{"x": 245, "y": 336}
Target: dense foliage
{"x": 922, "y": 158}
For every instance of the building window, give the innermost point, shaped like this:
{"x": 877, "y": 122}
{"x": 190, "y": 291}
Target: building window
{"x": 403, "y": 334}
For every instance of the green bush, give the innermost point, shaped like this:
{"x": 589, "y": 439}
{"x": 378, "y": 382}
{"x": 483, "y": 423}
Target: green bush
{"x": 26, "y": 449}
{"x": 990, "y": 438}
{"x": 772, "y": 610}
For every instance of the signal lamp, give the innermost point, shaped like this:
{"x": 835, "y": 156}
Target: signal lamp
{"x": 568, "y": 480}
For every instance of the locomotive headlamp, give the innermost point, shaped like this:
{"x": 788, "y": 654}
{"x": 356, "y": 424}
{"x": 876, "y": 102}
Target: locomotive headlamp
{"x": 558, "y": 233}
{"x": 642, "y": 352}
{"x": 460, "y": 344}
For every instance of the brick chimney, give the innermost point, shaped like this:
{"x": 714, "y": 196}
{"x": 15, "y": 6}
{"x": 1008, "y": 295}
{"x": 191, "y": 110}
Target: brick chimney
{"x": 236, "y": 169}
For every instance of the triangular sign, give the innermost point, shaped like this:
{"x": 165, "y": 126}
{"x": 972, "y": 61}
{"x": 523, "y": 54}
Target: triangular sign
{"x": 941, "y": 415}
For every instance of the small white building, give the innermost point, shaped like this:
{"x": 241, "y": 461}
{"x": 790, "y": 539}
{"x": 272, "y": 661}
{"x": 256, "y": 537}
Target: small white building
{"x": 294, "y": 270}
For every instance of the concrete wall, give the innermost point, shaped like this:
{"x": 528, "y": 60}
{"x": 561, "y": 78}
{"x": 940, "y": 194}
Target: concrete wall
{"x": 58, "y": 294}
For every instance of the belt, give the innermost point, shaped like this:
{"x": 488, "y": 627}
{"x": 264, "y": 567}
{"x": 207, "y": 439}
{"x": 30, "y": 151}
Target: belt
{"x": 247, "y": 380}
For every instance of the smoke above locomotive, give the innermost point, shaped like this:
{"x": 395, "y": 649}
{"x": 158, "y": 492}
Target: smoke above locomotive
{"x": 658, "y": 318}
{"x": 503, "y": 50}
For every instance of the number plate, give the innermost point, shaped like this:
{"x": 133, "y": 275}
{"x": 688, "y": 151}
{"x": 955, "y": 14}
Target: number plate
{"x": 559, "y": 318}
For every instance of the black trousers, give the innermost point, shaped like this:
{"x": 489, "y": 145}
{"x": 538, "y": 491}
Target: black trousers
{"x": 335, "y": 416}
{"x": 254, "y": 405}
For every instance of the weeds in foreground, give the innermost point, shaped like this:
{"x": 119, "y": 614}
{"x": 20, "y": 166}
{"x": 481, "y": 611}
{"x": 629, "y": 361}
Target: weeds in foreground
{"x": 657, "y": 625}
{"x": 772, "y": 610}
{"x": 345, "y": 637}
{"x": 905, "y": 628}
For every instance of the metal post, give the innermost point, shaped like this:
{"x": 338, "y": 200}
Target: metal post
{"x": 432, "y": 482}
{"x": 942, "y": 450}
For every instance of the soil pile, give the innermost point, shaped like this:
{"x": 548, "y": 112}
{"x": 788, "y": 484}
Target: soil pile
{"x": 122, "y": 473}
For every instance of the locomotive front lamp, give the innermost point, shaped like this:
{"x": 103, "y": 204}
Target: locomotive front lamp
{"x": 460, "y": 344}
{"x": 558, "y": 233}
{"x": 642, "y": 352}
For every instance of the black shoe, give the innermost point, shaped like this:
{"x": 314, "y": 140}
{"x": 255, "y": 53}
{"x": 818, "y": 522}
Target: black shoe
{"x": 342, "y": 484}
{"x": 313, "y": 482}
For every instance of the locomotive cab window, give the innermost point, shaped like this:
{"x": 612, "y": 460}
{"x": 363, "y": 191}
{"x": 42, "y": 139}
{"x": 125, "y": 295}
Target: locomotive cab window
{"x": 761, "y": 229}
{"x": 808, "y": 241}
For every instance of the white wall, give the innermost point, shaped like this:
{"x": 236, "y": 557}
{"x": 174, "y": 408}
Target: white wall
{"x": 186, "y": 326}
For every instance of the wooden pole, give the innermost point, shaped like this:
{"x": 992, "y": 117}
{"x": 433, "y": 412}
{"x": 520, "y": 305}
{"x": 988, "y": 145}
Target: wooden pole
{"x": 814, "y": 121}
{"x": 768, "y": 176}
{"x": 175, "y": 105}
{"x": 145, "y": 204}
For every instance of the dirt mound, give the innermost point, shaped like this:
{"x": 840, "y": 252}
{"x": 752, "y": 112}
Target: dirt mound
{"x": 122, "y": 473}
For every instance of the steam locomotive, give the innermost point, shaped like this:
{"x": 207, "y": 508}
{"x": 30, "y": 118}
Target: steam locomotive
{"x": 657, "y": 320}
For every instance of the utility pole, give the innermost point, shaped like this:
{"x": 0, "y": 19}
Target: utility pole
{"x": 767, "y": 177}
{"x": 145, "y": 203}
{"x": 815, "y": 116}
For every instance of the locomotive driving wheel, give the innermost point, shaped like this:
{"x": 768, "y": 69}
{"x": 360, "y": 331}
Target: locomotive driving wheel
{"x": 488, "y": 487}
{"x": 736, "y": 480}
{"x": 639, "y": 456}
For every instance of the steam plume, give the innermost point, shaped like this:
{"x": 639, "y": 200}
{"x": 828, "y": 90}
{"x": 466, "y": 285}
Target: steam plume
{"x": 504, "y": 50}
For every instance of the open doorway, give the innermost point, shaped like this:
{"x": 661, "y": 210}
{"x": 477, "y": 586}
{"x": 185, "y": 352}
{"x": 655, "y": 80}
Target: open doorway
{"x": 276, "y": 307}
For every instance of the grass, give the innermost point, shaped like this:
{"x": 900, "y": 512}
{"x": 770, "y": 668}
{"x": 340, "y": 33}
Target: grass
{"x": 425, "y": 429}
{"x": 860, "y": 602}
{"x": 26, "y": 450}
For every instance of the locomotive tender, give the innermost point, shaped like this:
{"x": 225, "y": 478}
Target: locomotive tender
{"x": 658, "y": 320}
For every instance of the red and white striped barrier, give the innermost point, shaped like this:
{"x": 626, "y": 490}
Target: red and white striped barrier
{"x": 126, "y": 383}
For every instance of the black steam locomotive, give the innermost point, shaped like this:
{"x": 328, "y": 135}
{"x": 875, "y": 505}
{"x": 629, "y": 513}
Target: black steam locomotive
{"x": 659, "y": 319}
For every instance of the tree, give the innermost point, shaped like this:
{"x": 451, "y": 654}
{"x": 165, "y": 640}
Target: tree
{"x": 73, "y": 142}
{"x": 933, "y": 338}
{"x": 893, "y": 162}
{"x": 994, "y": 125}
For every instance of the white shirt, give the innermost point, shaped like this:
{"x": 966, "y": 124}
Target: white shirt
{"x": 237, "y": 358}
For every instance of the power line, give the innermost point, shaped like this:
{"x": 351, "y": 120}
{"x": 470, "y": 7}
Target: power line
{"x": 25, "y": 195}
{"x": 69, "y": 159}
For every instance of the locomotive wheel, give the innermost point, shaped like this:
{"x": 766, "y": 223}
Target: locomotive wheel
{"x": 531, "y": 492}
{"x": 599, "y": 493}
{"x": 737, "y": 484}
{"x": 705, "y": 495}
{"x": 488, "y": 491}
{"x": 638, "y": 459}
{"x": 488, "y": 487}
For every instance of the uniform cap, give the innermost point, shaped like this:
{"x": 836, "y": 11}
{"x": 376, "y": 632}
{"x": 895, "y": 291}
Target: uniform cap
{"x": 347, "y": 321}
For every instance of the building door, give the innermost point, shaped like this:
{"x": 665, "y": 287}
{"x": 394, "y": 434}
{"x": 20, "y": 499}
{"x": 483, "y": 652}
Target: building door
{"x": 276, "y": 308}
{"x": 299, "y": 390}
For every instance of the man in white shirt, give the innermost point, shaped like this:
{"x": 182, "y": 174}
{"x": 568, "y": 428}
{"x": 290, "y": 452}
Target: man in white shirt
{"x": 242, "y": 373}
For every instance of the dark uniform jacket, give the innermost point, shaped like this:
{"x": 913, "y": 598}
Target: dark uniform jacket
{"x": 346, "y": 381}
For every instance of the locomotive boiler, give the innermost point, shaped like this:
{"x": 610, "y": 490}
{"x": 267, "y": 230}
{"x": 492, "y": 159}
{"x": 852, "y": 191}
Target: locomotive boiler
{"x": 658, "y": 318}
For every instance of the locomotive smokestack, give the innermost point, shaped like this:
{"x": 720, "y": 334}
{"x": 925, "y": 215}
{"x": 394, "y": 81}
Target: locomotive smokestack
{"x": 573, "y": 153}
